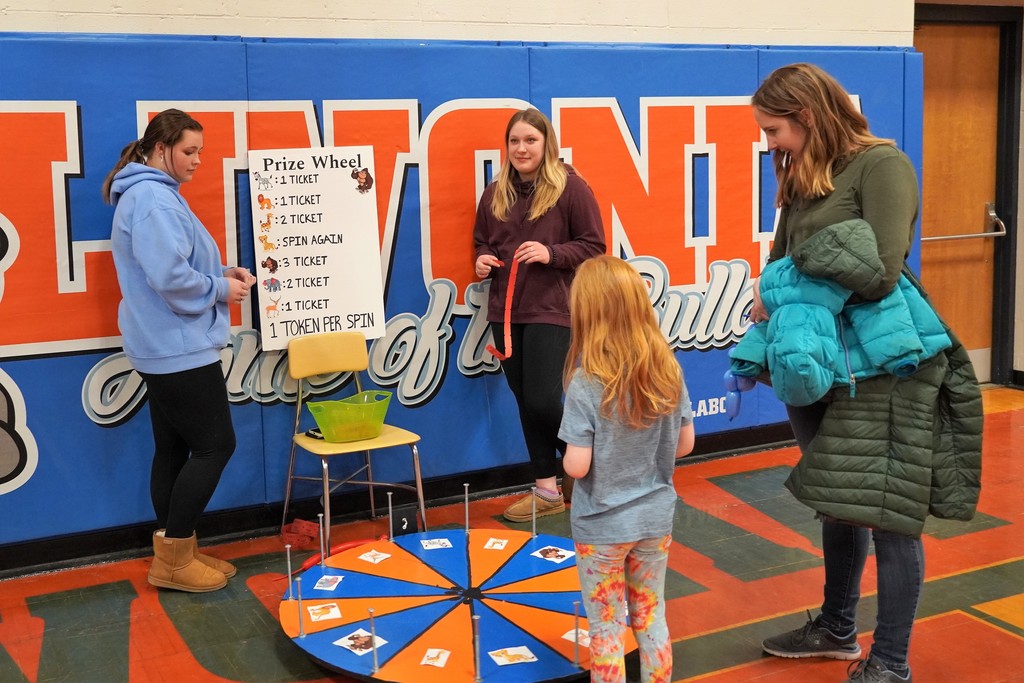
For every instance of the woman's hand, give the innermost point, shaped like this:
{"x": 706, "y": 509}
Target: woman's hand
{"x": 758, "y": 313}
{"x": 484, "y": 263}
{"x": 533, "y": 252}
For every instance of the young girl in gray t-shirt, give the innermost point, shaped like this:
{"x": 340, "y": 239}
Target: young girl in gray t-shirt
{"x": 627, "y": 418}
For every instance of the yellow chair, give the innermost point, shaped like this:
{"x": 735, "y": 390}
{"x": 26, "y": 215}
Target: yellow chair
{"x": 322, "y": 354}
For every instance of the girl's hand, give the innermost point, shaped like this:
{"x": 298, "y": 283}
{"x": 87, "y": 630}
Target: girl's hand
{"x": 533, "y": 252}
{"x": 484, "y": 263}
{"x": 242, "y": 275}
{"x": 758, "y": 313}
{"x": 237, "y": 290}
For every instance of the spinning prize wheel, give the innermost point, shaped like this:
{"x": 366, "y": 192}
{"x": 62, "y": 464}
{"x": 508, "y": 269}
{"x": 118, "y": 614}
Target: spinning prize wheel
{"x": 433, "y": 596}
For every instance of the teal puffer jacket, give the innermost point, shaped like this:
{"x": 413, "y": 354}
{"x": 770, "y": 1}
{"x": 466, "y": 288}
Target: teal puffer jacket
{"x": 814, "y": 341}
{"x": 901, "y": 448}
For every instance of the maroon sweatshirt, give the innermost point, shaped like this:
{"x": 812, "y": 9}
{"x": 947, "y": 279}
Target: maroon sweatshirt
{"x": 572, "y": 232}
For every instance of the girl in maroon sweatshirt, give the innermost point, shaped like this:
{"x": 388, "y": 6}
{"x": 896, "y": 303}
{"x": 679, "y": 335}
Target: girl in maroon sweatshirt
{"x": 538, "y": 212}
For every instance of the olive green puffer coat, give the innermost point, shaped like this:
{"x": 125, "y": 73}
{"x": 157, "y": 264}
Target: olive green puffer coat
{"x": 901, "y": 448}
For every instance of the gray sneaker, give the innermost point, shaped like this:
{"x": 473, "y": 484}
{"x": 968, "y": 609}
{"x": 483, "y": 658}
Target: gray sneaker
{"x": 872, "y": 670}
{"x": 812, "y": 640}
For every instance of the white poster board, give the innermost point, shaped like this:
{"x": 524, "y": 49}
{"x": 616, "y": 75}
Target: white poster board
{"x": 314, "y": 223}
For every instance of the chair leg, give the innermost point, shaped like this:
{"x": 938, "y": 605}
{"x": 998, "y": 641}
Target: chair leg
{"x": 369, "y": 486}
{"x": 327, "y": 507}
{"x": 419, "y": 483}
{"x": 288, "y": 487}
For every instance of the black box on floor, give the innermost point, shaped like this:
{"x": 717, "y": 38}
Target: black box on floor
{"x": 403, "y": 520}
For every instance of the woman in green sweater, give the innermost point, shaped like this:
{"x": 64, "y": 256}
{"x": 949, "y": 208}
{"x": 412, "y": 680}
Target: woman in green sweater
{"x": 830, "y": 168}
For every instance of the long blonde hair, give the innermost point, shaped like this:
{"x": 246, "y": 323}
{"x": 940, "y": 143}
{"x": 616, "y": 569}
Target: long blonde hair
{"x": 551, "y": 176}
{"x": 617, "y": 341}
{"x": 813, "y": 100}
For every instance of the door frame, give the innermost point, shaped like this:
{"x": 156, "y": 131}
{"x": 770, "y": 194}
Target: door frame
{"x": 1008, "y": 125}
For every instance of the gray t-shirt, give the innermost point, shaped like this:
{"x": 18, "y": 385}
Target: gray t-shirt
{"x": 628, "y": 493}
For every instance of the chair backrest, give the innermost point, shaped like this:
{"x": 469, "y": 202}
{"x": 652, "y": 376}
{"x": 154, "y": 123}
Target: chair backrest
{"x": 326, "y": 352}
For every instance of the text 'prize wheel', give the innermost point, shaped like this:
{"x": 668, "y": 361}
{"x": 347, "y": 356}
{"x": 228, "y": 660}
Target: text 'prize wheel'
{"x": 424, "y": 590}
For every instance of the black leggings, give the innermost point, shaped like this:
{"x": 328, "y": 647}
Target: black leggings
{"x": 534, "y": 373}
{"x": 194, "y": 439}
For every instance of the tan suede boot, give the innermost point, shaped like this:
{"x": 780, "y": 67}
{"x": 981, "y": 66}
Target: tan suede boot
{"x": 175, "y": 566}
{"x": 522, "y": 509}
{"x": 225, "y": 568}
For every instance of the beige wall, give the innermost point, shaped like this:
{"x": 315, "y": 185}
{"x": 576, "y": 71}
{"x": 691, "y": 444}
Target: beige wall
{"x": 782, "y": 22}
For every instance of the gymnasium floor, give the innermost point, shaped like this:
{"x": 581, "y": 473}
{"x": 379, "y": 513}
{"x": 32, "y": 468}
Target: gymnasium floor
{"x": 745, "y": 564}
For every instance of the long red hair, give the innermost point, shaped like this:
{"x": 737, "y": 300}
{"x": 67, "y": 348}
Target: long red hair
{"x": 617, "y": 341}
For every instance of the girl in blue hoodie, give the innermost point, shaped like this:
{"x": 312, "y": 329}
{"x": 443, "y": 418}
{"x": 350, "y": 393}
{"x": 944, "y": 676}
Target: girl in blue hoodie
{"x": 174, "y": 322}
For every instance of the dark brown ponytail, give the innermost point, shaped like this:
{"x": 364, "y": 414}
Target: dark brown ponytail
{"x": 166, "y": 127}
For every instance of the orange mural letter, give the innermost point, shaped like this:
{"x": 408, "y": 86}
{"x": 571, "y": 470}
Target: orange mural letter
{"x": 735, "y": 136}
{"x": 52, "y": 290}
{"x": 390, "y": 128}
{"x": 641, "y": 190}
{"x": 454, "y": 135}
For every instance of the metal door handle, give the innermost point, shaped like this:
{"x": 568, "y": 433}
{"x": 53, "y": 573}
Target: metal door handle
{"x": 991, "y": 218}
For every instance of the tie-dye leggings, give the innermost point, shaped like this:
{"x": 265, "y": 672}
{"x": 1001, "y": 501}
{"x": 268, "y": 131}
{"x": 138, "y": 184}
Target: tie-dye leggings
{"x": 612, "y": 576}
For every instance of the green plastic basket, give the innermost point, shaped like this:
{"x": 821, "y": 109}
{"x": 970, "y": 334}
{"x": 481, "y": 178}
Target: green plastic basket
{"x": 351, "y": 419}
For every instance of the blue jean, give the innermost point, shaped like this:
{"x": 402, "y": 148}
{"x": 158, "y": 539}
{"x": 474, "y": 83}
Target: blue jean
{"x": 900, "y": 568}
{"x": 900, "y": 565}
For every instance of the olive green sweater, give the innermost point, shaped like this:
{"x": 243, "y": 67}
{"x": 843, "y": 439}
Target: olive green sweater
{"x": 878, "y": 185}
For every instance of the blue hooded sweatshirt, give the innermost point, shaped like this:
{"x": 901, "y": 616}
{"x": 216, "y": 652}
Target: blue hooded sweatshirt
{"x": 173, "y": 314}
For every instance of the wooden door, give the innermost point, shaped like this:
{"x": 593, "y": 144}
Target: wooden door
{"x": 961, "y": 108}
